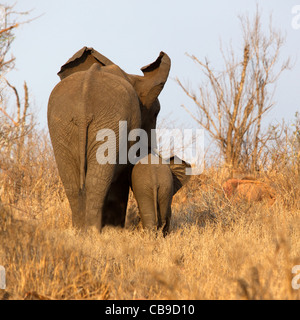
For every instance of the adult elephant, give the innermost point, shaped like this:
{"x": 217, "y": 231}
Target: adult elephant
{"x": 95, "y": 94}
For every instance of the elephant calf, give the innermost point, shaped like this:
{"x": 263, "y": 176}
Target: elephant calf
{"x": 154, "y": 181}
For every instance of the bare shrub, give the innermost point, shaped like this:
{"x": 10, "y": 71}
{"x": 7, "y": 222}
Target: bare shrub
{"x": 232, "y": 103}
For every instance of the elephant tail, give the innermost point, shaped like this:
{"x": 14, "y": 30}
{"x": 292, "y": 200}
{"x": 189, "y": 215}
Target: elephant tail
{"x": 156, "y": 208}
{"x": 83, "y": 135}
{"x": 82, "y": 130}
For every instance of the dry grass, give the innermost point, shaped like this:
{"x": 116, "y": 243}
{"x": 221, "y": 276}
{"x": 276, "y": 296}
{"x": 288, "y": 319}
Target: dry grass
{"x": 216, "y": 250}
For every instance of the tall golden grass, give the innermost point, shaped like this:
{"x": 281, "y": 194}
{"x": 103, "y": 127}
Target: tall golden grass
{"x": 215, "y": 250}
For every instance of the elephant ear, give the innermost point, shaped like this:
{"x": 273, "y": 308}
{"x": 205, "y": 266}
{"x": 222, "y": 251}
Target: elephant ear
{"x": 82, "y": 60}
{"x": 180, "y": 177}
{"x": 155, "y": 76}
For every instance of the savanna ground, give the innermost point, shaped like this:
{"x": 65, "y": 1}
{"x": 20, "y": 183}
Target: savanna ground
{"x": 215, "y": 250}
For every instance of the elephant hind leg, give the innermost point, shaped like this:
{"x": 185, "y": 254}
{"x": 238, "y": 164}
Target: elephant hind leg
{"x": 147, "y": 211}
{"x": 98, "y": 180}
{"x": 64, "y": 138}
{"x": 77, "y": 204}
{"x": 165, "y": 201}
{"x": 69, "y": 174}
{"x": 166, "y": 226}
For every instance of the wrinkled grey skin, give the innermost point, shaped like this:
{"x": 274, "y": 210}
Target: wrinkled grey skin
{"x": 153, "y": 186}
{"x": 95, "y": 94}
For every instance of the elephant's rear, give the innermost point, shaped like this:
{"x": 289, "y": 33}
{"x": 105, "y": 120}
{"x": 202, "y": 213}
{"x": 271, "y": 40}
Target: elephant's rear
{"x": 152, "y": 185}
{"x": 62, "y": 116}
{"x": 64, "y": 112}
{"x": 80, "y": 106}
{"x": 84, "y": 103}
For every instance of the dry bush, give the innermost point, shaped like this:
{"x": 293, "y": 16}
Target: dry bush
{"x": 283, "y": 162}
{"x": 33, "y": 180}
{"x": 36, "y": 262}
{"x": 232, "y": 103}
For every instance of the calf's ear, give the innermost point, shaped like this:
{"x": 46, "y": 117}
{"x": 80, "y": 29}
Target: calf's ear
{"x": 178, "y": 168}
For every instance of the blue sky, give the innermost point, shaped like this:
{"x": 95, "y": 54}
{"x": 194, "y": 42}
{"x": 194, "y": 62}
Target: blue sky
{"x": 131, "y": 33}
